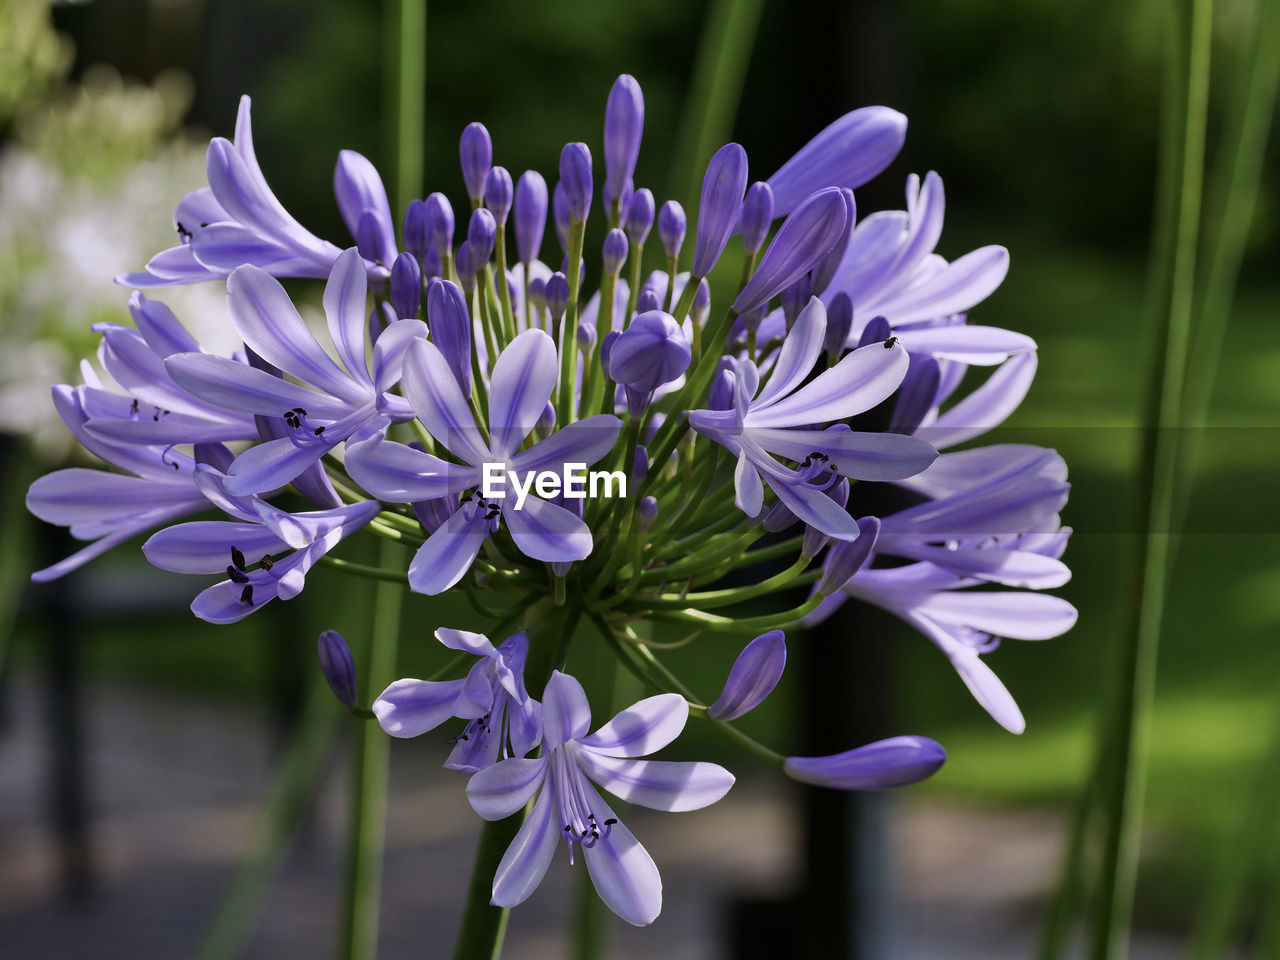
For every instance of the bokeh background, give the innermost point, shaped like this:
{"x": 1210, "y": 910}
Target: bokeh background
{"x": 136, "y": 743}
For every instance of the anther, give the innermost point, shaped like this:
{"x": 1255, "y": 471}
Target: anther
{"x": 246, "y": 596}
{"x": 237, "y": 576}
{"x": 237, "y": 558}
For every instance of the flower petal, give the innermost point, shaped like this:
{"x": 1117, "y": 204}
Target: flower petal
{"x": 566, "y": 715}
{"x": 523, "y": 378}
{"x": 474, "y": 643}
{"x": 622, "y": 871}
{"x": 237, "y": 386}
{"x": 345, "y": 293}
{"x": 641, "y": 728}
{"x": 448, "y": 553}
{"x": 861, "y": 380}
{"x": 436, "y": 398}
{"x": 525, "y": 863}
{"x": 584, "y": 441}
{"x": 671, "y": 785}
{"x": 547, "y": 531}
{"x": 409, "y": 708}
{"x": 498, "y": 791}
{"x": 896, "y": 762}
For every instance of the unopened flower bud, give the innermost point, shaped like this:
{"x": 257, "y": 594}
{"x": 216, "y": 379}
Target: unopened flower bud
{"x": 827, "y": 266}
{"x": 672, "y": 224}
{"x": 701, "y": 303}
{"x": 757, "y": 216}
{"x": 650, "y": 352}
{"x": 440, "y": 219}
{"x": 753, "y": 676}
{"x": 546, "y": 421}
{"x": 846, "y": 557}
{"x": 794, "y": 299}
{"x": 406, "y": 285}
{"x": 530, "y": 214}
{"x": 839, "y": 323}
{"x": 417, "y": 230}
{"x": 338, "y": 667}
{"x": 648, "y": 299}
{"x": 498, "y": 193}
{"x": 896, "y": 762}
{"x": 560, "y": 213}
{"x": 646, "y": 513}
{"x": 639, "y": 219}
{"x": 623, "y": 128}
{"x": 450, "y": 326}
{"x": 614, "y": 252}
{"x": 475, "y": 149}
{"x": 557, "y": 295}
{"x": 466, "y": 268}
{"x": 481, "y": 233}
{"x": 575, "y": 175}
{"x": 803, "y": 239}
{"x": 586, "y": 336}
{"x": 722, "y": 190}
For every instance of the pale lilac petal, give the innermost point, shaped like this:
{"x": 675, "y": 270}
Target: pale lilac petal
{"x": 642, "y": 728}
{"x": 747, "y": 486}
{"x": 398, "y": 473}
{"x": 584, "y": 441}
{"x": 526, "y": 860}
{"x": 498, "y": 791}
{"x": 438, "y": 401}
{"x": 955, "y": 472}
{"x": 673, "y": 786}
{"x": 78, "y": 495}
{"x": 1013, "y": 568}
{"x": 566, "y": 715}
{"x": 221, "y": 247}
{"x": 987, "y": 407}
{"x": 389, "y": 351}
{"x": 622, "y": 871}
{"x": 524, "y": 377}
{"x": 237, "y": 386}
{"x": 409, "y": 708}
{"x": 269, "y": 324}
{"x": 962, "y": 285}
{"x": 547, "y": 531}
{"x": 863, "y": 456}
{"x": 448, "y": 553}
{"x": 800, "y": 351}
{"x": 861, "y": 380}
{"x": 979, "y": 346}
{"x": 815, "y": 508}
{"x": 172, "y": 429}
{"x": 161, "y": 330}
{"x": 1016, "y": 614}
{"x": 345, "y": 293}
{"x": 205, "y": 546}
{"x": 464, "y": 640}
{"x": 272, "y": 464}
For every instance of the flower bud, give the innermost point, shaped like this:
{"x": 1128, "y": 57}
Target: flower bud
{"x": 877, "y": 330}
{"x": 846, "y": 557}
{"x": 371, "y": 239}
{"x": 896, "y": 762}
{"x": 825, "y": 271}
{"x": 639, "y": 219}
{"x": 803, "y": 239}
{"x": 753, "y": 676}
{"x": 338, "y": 667}
{"x": 614, "y": 252}
{"x": 431, "y": 265}
{"x": 450, "y": 326}
{"x": 586, "y": 336}
{"x": 575, "y": 176}
{"x": 722, "y": 189}
{"x": 623, "y": 128}
{"x": 606, "y": 347}
{"x": 639, "y": 467}
{"x": 546, "y": 421}
{"x": 672, "y": 224}
{"x": 650, "y": 352}
{"x": 648, "y": 299}
{"x": 417, "y": 230}
{"x": 757, "y": 216}
{"x": 701, "y": 303}
{"x": 406, "y": 285}
{"x": 794, "y": 299}
{"x": 440, "y": 218}
{"x": 560, "y": 213}
{"x": 646, "y": 513}
{"x": 497, "y": 193}
{"x": 475, "y": 149}
{"x": 531, "y": 215}
{"x": 839, "y": 323}
{"x": 538, "y": 294}
{"x": 557, "y": 295}
{"x": 466, "y": 268}
{"x": 481, "y": 232}
{"x": 360, "y": 195}
{"x": 916, "y": 395}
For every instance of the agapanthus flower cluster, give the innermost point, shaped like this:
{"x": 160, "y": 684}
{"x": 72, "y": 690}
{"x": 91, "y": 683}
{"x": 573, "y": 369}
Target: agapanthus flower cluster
{"x": 631, "y": 454}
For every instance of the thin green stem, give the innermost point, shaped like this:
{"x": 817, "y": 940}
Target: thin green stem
{"x": 367, "y": 824}
{"x": 1122, "y": 804}
{"x": 364, "y": 570}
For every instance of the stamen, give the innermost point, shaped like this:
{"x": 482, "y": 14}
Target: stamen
{"x": 237, "y": 576}
{"x": 237, "y": 558}
{"x": 246, "y": 596}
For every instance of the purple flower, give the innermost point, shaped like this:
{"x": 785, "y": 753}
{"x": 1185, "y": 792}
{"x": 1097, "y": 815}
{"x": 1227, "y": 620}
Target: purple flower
{"x": 481, "y": 233}
{"x": 614, "y": 251}
{"x": 440, "y": 218}
{"x": 531, "y": 214}
{"x": 503, "y": 721}
{"x": 639, "y": 219}
{"x": 338, "y": 667}
{"x": 623, "y": 128}
{"x": 575, "y": 177}
{"x": 475, "y": 150}
{"x": 722, "y": 190}
{"x": 847, "y": 153}
{"x": 406, "y": 286}
{"x": 652, "y": 351}
{"x": 265, "y": 553}
{"x": 896, "y": 762}
{"x": 757, "y": 216}
{"x": 497, "y": 193}
{"x": 317, "y": 420}
{"x": 568, "y": 807}
{"x": 672, "y": 224}
{"x": 238, "y": 220}
{"x": 110, "y": 508}
{"x": 803, "y": 239}
{"x": 779, "y": 421}
{"x": 754, "y": 675}
{"x": 523, "y": 380}
{"x": 417, "y": 231}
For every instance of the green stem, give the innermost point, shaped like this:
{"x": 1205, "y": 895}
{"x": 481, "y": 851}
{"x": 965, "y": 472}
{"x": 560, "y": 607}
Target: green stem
{"x": 1122, "y": 803}
{"x": 293, "y": 787}
{"x": 367, "y": 825}
{"x": 483, "y": 925}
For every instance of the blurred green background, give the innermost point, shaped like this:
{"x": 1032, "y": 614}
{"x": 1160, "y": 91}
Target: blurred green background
{"x": 1042, "y": 118}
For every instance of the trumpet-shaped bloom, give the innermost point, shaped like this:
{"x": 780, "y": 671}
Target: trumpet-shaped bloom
{"x": 569, "y": 808}
{"x": 314, "y": 420}
{"x": 779, "y": 420}
{"x": 523, "y": 379}
{"x": 502, "y": 719}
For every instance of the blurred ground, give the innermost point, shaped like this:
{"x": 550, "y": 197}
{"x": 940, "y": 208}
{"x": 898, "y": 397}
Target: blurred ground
{"x": 175, "y": 782}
